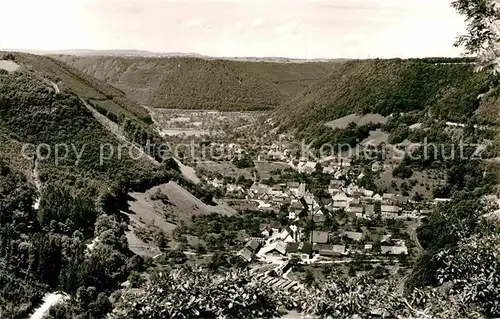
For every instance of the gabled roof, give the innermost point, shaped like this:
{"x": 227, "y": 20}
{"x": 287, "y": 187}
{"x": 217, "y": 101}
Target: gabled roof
{"x": 281, "y": 247}
{"x": 304, "y": 247}
{"x": 253, "y": 245}
{"x": 246, "y": 254}
{"x": 340, "y": 197}
{"x": 265, "y": 227}
{"x": 286, "y": 232}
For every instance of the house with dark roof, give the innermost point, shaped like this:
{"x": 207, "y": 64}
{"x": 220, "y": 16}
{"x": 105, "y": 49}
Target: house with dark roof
{"x": 302, "y": 249}
{"x": 253, "y": 245}
{"x": 246, "y": 254}
{"x": 288, "y": 235}
{"x": 266, "y": 231}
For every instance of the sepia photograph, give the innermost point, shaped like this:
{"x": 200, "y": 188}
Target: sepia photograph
{"x": 249, "y": 159}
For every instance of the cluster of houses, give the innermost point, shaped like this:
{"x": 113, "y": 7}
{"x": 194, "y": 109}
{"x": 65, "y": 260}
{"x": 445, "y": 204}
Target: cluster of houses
{"x": 364, "y": 203}
{"x": 219, "y": 183}
{"x": 329, "y": 165}
{"x": 353, "y": 200}
{"x": 290, "y": 241}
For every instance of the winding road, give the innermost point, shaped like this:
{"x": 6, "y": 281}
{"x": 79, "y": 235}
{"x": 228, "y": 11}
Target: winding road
{"x": 414, "y": 237}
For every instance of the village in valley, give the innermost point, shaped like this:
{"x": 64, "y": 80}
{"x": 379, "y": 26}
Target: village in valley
{"x": 350, "y": 225}
{"x": 335, "y": 212}
{"x": 289, "y": 213}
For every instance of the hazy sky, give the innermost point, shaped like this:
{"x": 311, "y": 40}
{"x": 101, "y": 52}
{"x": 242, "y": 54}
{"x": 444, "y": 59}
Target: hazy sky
{"x": 287, "y": 28}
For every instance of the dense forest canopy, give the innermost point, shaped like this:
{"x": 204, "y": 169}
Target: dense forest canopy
{"x": 44, "y": 248}
{"x": 446, "y": 88}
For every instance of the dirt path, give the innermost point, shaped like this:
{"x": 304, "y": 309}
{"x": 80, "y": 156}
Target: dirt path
{"x": 414, "y": 237}
{"x": 56, "y": 88}
{"x": 35, "y": 175}
{"x": 49, "y": 301}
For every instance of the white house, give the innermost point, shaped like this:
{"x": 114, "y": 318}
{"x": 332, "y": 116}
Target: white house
{"x": 341, "y": 200}
{"x": 289, "y": 234}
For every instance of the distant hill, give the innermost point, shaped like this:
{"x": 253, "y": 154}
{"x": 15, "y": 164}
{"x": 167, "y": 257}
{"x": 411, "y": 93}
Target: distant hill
{"x": 447, "y": 88}
{"x": 116, "y": 53}
{"x": 202, "y": 83}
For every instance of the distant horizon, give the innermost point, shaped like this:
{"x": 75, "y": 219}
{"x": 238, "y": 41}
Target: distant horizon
{"x": 147, "y": 53}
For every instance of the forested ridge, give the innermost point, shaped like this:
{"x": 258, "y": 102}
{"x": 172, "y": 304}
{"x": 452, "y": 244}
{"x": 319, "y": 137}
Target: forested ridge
{"x": 195, "y": 83}
{"x": 446, "y": 88}
{"x": 44, "y": 249}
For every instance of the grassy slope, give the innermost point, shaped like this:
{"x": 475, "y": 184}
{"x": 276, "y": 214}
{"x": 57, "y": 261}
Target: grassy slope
{"x": 447, "y": 90}
{"x": 193, "y": 83}
{"x": 85, "y": 86}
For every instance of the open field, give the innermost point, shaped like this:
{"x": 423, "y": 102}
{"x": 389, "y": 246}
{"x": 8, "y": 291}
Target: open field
{"x": 183, "y": 132}
{"x": 200, "y": 121}
{"x": 188, "y": 172}
{"x": 9, "y": 66}
{"x": 376, "y": 138}
{"x": 164, "y": 207}
{"x": 359, "y": 120}
{"x": 264, "y": 169}
{"x": 225, "y": 169}
{"x": 422, "y": 183}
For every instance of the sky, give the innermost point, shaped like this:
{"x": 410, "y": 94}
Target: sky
{"x": 231, "y": 28}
